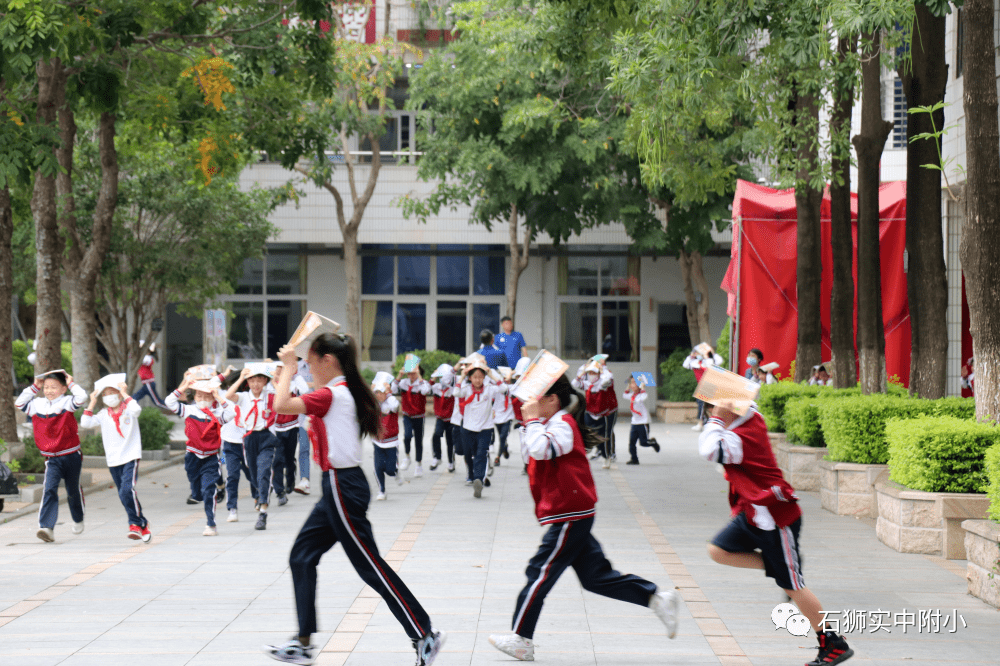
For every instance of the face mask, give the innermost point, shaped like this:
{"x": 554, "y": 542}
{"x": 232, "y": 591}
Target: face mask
{"x": 203, "y": 404}
{"x": 111, "y": 401}
{"x": 752, "y": 360}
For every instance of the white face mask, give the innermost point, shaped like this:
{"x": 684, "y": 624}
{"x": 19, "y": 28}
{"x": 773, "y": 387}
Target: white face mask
{"x": 752, "y": 361}
{"x": 111, "y": 401}
{"x": 203, "y": 404}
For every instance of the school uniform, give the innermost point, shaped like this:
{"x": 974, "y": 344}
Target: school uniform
{"x": 640, "y": 421}
{"x": 386, "y": 444}
{"x": 203, "y": 427}
{"x": 610, "y": 401}
{"x": 340, "y": 515}
{"x": 122, "y": 451}
{"x": 596, "y": 405}
{"x": 232, "y": 449}
{"x": 503, "y": 416}
{"x": 477, "y": 424}
{"x": 698, "y": 365}
{"x": 58, "y": 440}
{"x": 148, "y": 383}
{"x": 444, "y": 407}
{"x": 765, "y": 510}
{"x": 256, "y": 416}
{"x": 286, "y": 434}
{"x": 306, "y": 376}
{"x": 565, "y": 499}
{"x": 413, "y": 404}
{"x": 456, "y": 418}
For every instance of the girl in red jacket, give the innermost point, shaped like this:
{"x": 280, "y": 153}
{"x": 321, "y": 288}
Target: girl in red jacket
{"x": 555, "y": 444}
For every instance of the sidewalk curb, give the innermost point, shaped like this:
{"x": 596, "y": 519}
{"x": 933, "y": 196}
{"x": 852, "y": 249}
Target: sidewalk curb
{"x": 93, "y": 488}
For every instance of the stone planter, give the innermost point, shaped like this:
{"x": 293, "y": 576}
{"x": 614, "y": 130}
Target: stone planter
{"x": 676, "y": 412}
{"x": 914, "y": 521}
{"x": 33, "y": 493}
{"x": 162, "y": 454}
{"x": 15, "y": 450}
{"x": 848, "y": 489}
{"x": 799, "y": 464}
{"x": 94, "y": 462}
{"x": 982, "y": 547}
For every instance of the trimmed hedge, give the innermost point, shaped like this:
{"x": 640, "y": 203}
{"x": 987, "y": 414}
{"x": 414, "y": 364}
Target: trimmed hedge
{"x": 772, "y": 399}
{"x": 154, "y": 429}
{"x": 429, "y": 361}
{"x": 939, "y": 454}
{"x": 677, "y": 383}
{"x": 802, "y": 421}
{"x": 992, "y": 464}
{"x": 854, "y": 427}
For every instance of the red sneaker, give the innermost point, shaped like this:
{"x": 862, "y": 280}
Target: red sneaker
{"x": 146, "y": 534}
{"x": 134, "y": 532}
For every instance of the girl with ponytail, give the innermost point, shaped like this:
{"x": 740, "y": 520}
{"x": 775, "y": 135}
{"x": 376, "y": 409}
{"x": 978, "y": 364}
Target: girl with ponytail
{"x": 341, "y": 411}
{"x": 555, "y": 444}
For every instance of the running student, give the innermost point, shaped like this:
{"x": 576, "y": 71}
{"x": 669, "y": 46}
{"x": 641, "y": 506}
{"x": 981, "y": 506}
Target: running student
{"x": 413, "y": 392}
{"x": 119, "y": 423}
{"x": 256, "y": 417}
{"x": 594, "y": 380}
{"x": 696, "y": 363}
{"x": 202, "y": 426}
{"x": 503, "y": 414}
{"x": 555, "y": 445}
{"x": 148, "y": 378}
{"x": 286, "y": 432}
{"x": 386, "y": 442}
{"x": 58, "y": 440}
{"x": 444, "y": 407}
{"x": 457, "y": 434}
{"x": 764, "y": 531}
{"x": 341, "y": 411}
{"x": 476, "y": 398}
{"x": 636, "y": 396}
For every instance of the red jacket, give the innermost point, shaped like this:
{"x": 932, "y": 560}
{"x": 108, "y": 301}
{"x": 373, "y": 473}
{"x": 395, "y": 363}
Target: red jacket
{"x": 609, "y": 399}
{"x": 413, "y": 404}
{"x": 516, "y": 403}
{"x": 146, "y": 368}
{"x": 389, "y": 428}
{"x": 443, "y": 407}
{"x": 54, "y": 426}
{"x": 562, "y": 486}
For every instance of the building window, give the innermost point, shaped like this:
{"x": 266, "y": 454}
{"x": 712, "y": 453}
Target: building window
{"x": 599, "y": 306}
{"x": 899, "y": 114}
{"x": 267, "y": 306}
{"x": 430, "y": 297}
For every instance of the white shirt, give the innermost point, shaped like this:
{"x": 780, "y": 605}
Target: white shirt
{"x": 503, "y": 408}
{"x": 123, "y": 448}
{"x": 478, "y": 414}
{"x": 252, "y": 411}
{"x": 637, "y": 406}
{"x": 232, "y": 432}
{"x": 342, "y": 429}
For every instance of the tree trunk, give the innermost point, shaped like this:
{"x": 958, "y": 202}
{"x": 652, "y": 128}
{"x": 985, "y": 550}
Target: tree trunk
{"x": 980, "y": 245}
{"x": 48, "y": 241}
{"x": 926, "y": 284}
{"x": 694, "y": 327}
{"x": 518, "y": 260}
{"x": 701, "y": 286}
{"x": 809, "y": 265}
{"x": 869, "y": 144}
{"x": 84, "y": 264}
{"x": 8, "y": 426}
{"x": 841, "y": 238}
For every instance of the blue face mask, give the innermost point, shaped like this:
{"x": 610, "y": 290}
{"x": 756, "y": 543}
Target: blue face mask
{"x": 752, "y": 361}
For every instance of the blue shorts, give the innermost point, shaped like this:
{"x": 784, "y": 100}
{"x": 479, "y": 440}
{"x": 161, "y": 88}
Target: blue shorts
{"x": 779, "y": 548}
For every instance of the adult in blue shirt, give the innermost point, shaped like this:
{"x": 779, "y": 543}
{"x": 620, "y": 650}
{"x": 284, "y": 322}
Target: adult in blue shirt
{"x": 494, "y": 357}
{"x": 511, "y": 342}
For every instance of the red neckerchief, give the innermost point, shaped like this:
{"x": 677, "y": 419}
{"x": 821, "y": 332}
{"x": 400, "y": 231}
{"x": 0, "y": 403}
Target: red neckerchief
{"x": 254, "y": 411}
{"x": 211, "y": 416}
{"x": 320, "y": 440}
{"x": 464, "y": 402}
{"x": 631, "y": 403}
{"x": 117, "y": 417}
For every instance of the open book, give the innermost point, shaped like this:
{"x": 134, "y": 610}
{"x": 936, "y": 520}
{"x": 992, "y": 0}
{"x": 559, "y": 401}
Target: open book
{"x": 732, "y": 391}
{"x": 311, "y": 327}
{"x": 541, "y": 374}
{"x": 410, "y": 362}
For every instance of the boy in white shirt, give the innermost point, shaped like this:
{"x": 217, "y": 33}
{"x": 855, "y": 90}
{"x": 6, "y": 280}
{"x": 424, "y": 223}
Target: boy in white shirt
{"x": 119, "y": 423}
{"x": 636, "y": 395}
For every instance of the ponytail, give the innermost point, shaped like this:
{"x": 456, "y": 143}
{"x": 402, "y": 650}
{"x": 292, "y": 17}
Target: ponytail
{"x": 571, "y": 400}
{"x": 345, "y": 350}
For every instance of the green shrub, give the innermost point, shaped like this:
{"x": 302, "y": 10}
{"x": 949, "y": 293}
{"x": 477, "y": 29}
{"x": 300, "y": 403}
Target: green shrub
{"x": 33, "y": 462}
{"x": 854, "y": 427}
{"x": 429, "y": 361}
{"x": 368, "y": 375}
{"x": 722, "y": 344}
{"x": 15, "y": 466}
{"x": 939, "y": 454}
{"x": 154, "y": 428}
{"x": 772, "y": 399}
{"x": 992, "y": 464}
{"x": 92, "y": 445}
{"x": 675, "y": 378}
{"x": 802, "y": 421}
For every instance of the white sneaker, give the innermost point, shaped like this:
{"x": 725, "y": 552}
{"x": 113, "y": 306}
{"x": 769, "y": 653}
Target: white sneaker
{"x": 404, "y": 462}
{"x": 514, "y": 645}
{"x": 46, "y": 534}
{"x": 302, "y": 487}
{"x": 434, "y": 463}
{"x": 477, "y": 488}
{"x": 399, "y": 479}
{"x": 233, "y": 517}
{"x": 418, "y": 471}
{"x": 292, "y": 652}
{"x": 210, "y": 530}
{"x": 606, "y": 464}
{"x": 451, "y": 467}
{"x": 697, "y": 427}
{"x": 666, "y": 606}
{"x": 380, "y": 497}
{"x": 78, "y": 527}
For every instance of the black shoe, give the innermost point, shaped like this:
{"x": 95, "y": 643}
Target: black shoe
{"x": 496, "y": 461}
{"x": 282, "y": 500}
{"x": 220, "y": 495}
{"x": 632, "y": 462}
{"x": 506, "y": 454}
{"x": 654, "y": 444}
{"x": 191, "y": 500}
{"x": 486, "y": 482}
{"x": 833, "y": 649}
{"x": 261, "y": 522}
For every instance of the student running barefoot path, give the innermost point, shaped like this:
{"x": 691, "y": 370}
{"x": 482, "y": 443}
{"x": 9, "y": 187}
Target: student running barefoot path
{"x": 341, "y": 411}
{"x": 555, "y": 444}
{"x": 766, "y": 518}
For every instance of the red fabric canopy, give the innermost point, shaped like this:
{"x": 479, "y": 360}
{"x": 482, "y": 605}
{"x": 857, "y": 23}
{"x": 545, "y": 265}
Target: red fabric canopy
{"x": 761, "y": 283}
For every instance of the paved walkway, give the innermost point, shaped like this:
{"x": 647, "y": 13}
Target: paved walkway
{"x": 187, "y": 599}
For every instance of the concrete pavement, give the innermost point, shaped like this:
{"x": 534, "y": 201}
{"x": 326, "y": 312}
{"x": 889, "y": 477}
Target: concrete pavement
{"x": 185, "y": 599}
